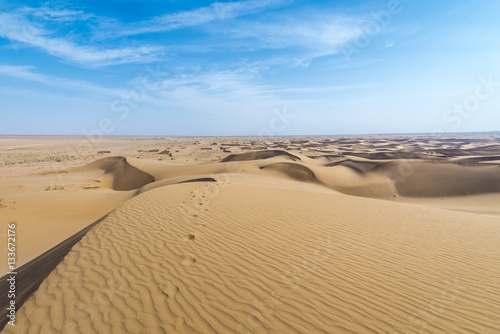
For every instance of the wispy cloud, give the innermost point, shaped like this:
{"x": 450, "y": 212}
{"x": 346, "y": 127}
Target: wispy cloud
{"x": 28, "y": 73}
{"x": 217, "y": 11}
{"x": 17, "y": 27}
{"x": 32, "y": 27}
{"x": 58, "y": 15}
{"x": 303, "y": 37}
{"x": 209, "y": 91}
{"x": 62, "y": 99}
{"x": 215, "y": 91}
{"x": 318, "y": 32}
{"x": 322, "y": 89}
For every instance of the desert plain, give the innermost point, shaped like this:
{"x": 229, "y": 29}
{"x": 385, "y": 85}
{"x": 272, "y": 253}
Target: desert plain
{"x": 324, "y": 234}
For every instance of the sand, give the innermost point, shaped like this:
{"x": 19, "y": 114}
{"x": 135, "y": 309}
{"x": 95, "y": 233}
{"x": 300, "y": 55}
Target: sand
{"x": 394, "y": 234}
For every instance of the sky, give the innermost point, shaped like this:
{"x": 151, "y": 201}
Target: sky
{"x": 249, "y": 67}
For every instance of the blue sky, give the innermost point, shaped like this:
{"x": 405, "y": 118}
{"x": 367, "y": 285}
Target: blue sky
{"x": 250, "y": 67}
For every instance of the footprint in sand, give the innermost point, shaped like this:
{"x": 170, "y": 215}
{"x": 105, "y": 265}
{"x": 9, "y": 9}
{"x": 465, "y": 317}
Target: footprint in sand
{"x": 170, "y": 290}
{"x": 187, "y": 260}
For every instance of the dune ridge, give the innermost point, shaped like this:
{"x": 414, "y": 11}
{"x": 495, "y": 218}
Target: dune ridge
{"x": 262, "y": 154}
{"x": 274, "y": 269}
{"x": 32, "y": 274}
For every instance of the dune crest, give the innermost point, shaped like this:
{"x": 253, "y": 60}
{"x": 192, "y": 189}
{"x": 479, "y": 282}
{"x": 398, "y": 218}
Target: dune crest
{"x": 258, "y": 155}
{"x": 295, "y": 171}
{"x": 171, "y": 260}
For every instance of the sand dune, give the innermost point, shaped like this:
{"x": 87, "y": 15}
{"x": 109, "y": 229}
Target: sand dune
{"x": 311, "y": 235}
{"x": 117, "y": 173}
{"x": 151, "y": 267}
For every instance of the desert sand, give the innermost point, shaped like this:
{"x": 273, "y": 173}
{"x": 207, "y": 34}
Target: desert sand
{"x": 367, "y": 234}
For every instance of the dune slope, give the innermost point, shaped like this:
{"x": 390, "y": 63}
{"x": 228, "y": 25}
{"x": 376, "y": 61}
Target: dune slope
{"x": 239, "y": 257}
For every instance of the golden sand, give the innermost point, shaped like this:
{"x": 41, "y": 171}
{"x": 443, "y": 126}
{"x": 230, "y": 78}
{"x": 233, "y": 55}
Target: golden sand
{"x": 253, "y": 235}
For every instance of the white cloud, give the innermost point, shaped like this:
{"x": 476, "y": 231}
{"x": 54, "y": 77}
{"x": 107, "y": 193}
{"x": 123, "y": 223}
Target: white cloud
{"x": 298, "y": 39}
{"x": 28, "y": 26}
{"x": 321, "y": 33}
{"x": 18, "y": 28}
{"x": 311, "y": 35}
{"x": 58, "y": 15}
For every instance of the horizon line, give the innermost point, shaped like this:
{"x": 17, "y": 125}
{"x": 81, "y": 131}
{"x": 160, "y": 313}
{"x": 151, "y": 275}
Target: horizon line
{"x": 254, "y": 136}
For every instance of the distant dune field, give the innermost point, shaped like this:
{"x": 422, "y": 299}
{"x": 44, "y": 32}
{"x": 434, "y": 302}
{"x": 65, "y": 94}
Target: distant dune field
{"x": 394, "y": 234}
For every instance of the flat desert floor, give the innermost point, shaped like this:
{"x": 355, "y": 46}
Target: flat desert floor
{"x": 368, "y": 234}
